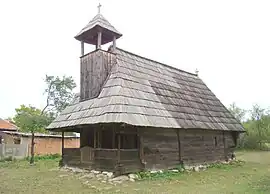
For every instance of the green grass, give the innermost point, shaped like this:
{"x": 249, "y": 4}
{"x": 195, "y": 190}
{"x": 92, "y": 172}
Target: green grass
{"x": 253, "y": 176}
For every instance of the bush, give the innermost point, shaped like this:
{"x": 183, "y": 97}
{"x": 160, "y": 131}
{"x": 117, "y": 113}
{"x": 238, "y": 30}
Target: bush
{"x": 252, "y": 142}
{"x": 46, "y": 157}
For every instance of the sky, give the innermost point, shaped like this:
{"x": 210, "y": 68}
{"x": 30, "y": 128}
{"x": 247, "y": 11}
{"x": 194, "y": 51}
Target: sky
{"x": 227, "y": 41}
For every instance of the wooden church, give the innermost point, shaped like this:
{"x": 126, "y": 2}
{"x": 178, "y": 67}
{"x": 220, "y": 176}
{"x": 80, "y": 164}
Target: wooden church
{"x": 134, "y": 113}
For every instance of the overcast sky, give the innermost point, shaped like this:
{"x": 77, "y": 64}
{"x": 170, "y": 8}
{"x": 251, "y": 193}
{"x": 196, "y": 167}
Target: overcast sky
{"x": 228, "y": 41}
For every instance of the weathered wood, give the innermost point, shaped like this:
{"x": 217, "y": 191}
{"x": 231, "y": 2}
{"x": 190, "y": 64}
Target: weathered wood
{"x": 99, "y": 40}
{"x": 98, "y": 138}
{"x": 72, "y": 156}
{"x": 95, "y": 138}
{"x": 95, "y": 67}
{"x": 129, "y": 154}
{"x": 113, "y": 138}
{"x": 162, "y": 148}
{"x": 110, "y": 154}
{"x": 87, "y": 154}
{"x": 224, "y": 144}
{"x": 157, "y": 148}
{"x": 119, "y": 147}
{"x": 82, "y": 48}
{"x": 114, "y": 43}
{"x": 179, "y": 146}
{"x": 141, "y": 146}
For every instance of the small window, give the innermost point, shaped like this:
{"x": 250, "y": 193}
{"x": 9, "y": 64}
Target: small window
{"x": 17, "y": 140}
{"x": 216, "y": 143}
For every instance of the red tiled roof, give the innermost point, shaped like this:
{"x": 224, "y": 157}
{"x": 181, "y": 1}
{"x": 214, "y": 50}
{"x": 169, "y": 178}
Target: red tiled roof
{"x": 7, "y": 126}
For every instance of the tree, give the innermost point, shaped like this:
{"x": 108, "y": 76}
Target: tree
{"x": 259, "y": 124}
{"x": 29, "y": 118}
{"x": 21, "y": 118}
{"x": 237, "y": 112}
{"x": 257, "y": 127}
{"x": 59, "y": 93}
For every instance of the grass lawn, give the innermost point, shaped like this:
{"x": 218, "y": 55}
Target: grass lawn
{"x": 45, "y": 177}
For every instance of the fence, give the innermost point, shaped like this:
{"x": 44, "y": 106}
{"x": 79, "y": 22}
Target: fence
{"x": 18, "y": 151}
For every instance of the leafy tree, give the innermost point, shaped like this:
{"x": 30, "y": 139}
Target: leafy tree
{"x": 237, "y": 112}
{"x": 59, "y": 93}
{"x": 29, "y": 118}
{"x": 25, "y": 114}
{"x": 257, "y": 127}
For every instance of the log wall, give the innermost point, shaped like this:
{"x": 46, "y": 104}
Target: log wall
{"x": 161, "y": 147}
{"x": 95, "y": 67}
{"x": 201, "y": 146}
{"x": 157, "y": 149}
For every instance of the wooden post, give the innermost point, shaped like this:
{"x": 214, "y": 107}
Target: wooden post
{"x": 224, "y": 144}
{"x": 113, "y": 137}
{"x": 119, "y": 147}
{"x": 82, "y": 48}
{"x": 141, "y": 146}
{"x": 63, "y": 146}
{"x": 99, "y": 40}
{"x": 98, "y": 137}
{"x": 114, "y": 43}
{"x": 179, "y": 146}
{"x": 95, "y": 138}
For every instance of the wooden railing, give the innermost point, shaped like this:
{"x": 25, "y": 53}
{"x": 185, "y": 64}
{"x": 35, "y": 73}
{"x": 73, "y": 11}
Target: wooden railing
{"x": 129, "y": 154}
{"x": 109, "y": 154}
{"x": 113, "y": 154}
{"x": 88, "y": 155}
{"x": 72, "y": 155}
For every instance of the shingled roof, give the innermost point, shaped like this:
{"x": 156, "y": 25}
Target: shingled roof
{"x": 143, "y": 92}
{"x": 99, "y": 21}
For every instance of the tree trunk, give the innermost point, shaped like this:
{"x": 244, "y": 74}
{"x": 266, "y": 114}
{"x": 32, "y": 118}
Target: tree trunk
{"x": 32, "y": 148}
{"x": 63, "y": 146}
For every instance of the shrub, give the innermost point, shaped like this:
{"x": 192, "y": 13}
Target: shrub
{"x": 46, "y": 157}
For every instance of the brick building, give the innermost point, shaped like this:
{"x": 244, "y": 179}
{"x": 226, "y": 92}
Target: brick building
{"x": 44, "y": 143}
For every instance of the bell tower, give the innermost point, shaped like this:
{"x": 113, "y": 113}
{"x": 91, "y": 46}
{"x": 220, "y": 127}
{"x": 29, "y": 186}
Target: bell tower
{"x": 96, "y": 65}
{"x": 98, "y": 32}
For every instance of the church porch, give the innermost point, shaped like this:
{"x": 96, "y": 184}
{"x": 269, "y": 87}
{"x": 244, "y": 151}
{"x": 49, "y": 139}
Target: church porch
{"x": 108, "y": 147}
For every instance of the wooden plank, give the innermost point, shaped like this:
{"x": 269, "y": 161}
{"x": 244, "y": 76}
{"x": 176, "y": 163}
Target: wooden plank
{"x": 119, "y": 147}
{"x": 225, "y": 147}
{"x": 113, "y": 138}
{"x": 82, "y": 48}
{"x": 114, "y": 43}
{"x": 99, "y": 40}
{"x": 179, "y": 146}
{"x": 98, "y": 139}
{"x": 141, "y": 145}
{"x": 95, "y": 138}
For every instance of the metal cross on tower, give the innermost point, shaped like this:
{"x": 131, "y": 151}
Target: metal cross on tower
{"x": 99, "y": 6}
{"x": 197, "y": 72}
